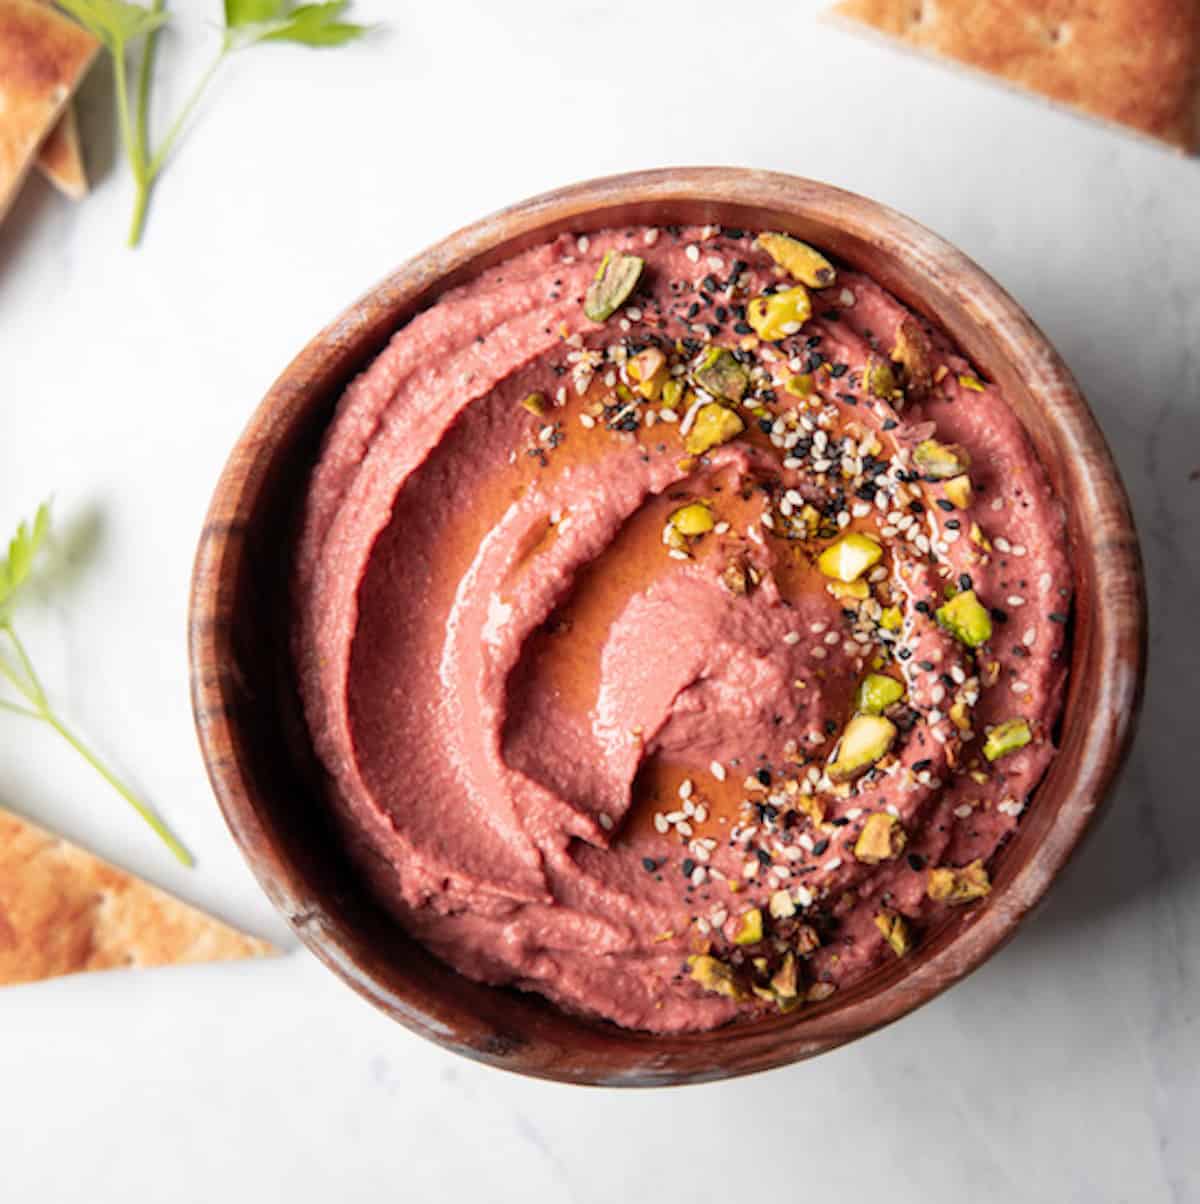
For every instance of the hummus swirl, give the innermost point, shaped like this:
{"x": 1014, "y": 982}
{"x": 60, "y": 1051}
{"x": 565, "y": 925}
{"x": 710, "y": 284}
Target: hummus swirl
{"x": 687, "y": 664}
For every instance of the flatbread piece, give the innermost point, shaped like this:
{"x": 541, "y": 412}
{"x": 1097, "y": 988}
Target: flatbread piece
{"x": 63, "y": 910}
{"x": 43, "y": 56}
{"x": 1136, "y": 62}
{"x": 61, "y": 158}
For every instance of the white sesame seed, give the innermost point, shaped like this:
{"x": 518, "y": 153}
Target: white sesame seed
{"x": 792, "y": 637}
{"x": 692, "y": 252}
{"x": 582, "y": 243}
{"x": 702, "y": 926}
{"x": 650, "y": 237}
{"x": 660, "y": 822}
{"x": 847, "y": 298}
{"x": 1019, "y": 687}
{"x": 715, "y": 262}
{"x": 606, "y": 821}
{"x": 963, "y": 812}
{"x": 832, "y": 864}
{"x": 1029, "y": 637}
{"x": 818, "y": 654}
{"x": 701, "y": 813}
{"x": 1015, "y": 600}
{"x": 721, "y": 528}
{"x": 717, "y": 770}
{"x": 997, "y": 503}
{"x": 803, "y": 896}
{"x": 683, "y": 828}
{"x": 686, "y": 788}
{"x": 750, "y": 869}
{"x": 677, "y": 554}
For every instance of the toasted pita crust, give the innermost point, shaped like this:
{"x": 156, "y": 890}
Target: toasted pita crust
{"x": 1136, "y": 62}
{"x": 63, "y": 910}
{"x": 43, "y": 56}
{"x": 61, "y": 158}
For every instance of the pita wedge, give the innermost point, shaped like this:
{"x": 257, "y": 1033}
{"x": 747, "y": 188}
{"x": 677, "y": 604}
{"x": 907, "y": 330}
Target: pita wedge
{"x": 43, "y": 56}
{"x": 62, "y": 911}
{"x": 1136, "y": 62}
{"x": 61, "y": 158}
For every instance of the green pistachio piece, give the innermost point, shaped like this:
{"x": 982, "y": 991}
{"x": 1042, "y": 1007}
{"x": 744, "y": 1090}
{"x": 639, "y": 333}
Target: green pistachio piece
{"x": 750, "y": 930}
{"x": 714, "y": 424}
{"x": 940, "y": 461}
{"x": 648, "y": 369}
{"x": 879, "y": 380}
{"x": 971, "y": 382}
{"x": 966, "y": 618}
{"x": 721, "y": 375}
{"x": 877, "y": 692}
{"x": 615, "y": 280}
{"x": 784, "y": 981}
{"x": 777, "y": 315}
{"x": 715, "y": 976}
{"x": 865, "y": 739}
{"x": 948, "y": 884}
{"x": 693, "y": 519}
{"x": 535, "y": 403}
{"x": 798, "y": 259}
{"x": 891, "y": 619}
{"x": 895, "y": 931}
{"x": 850, "y": 557}
{"x": 959, "y": 492}
{"x": 672, "y": 392}
{"x": 800, "y": 385}
{"x": 914, "y": 355}
{"x": 881, "y": 839}
{"x": 1005, "y": 738}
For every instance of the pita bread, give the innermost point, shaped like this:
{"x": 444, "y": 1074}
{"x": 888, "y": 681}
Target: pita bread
{"x": 1136, "y": 62}
{"x": 43, "y": 56}
{"x": 63, "y": 910}
{"x": 61, "y": 158}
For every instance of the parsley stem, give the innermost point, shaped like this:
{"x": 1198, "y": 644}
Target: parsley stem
{"x": 156, "y": 824}
{"x": 31, "y": 690}
{"x": 39, "y": 695}
{"x": 145, "y": 73}
{"x": 177, "y": 126}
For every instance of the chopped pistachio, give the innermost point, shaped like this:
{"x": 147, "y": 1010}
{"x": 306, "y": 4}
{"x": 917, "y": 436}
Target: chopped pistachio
{"x": 865, "y": 739}
{"x": 784, "y": 981}
{"x": 877, "y": 692}
{"x": 912, "y": 352}
{"x": 960, "y": 716}
{"x": 714, "y": 975}
{"x": 940, "y": 461}
{"x": 948, "y": 884}
{"x": 879, "y": 380}
{"x": 1005, "y": 738}
{"x": 798, "y": 259}
{"x": 881, "y": 839}
{"x": 970, "y": 382}
{"x": 959, "y": 492}
{"x": 978, "y": 538}
{"x": 535, "y": 403}
{"x": 810, "y": 516}
{"x": 715, "y": 424}
{"x": 850, "y": 557}
{"x": 819, "y": 991}
{"x": 807, "y": 940}
{"x": 649, "y": 369}
{"x": 672, "y": 391}
{"x": 696, "y": 518}
{"x": 966, "y": 618}
{"x": 858, "y": 590}
{"x": 614, "y": 282}
{"x": 734, "y": 578}
{"x": 800, "y": 385}
{"x": 895, "y": 931}
{"x": 777, "y": 315}
{"x": 721, "y": 375}
{"x": 891, "y": 618}
{"x": 750, "y": 930}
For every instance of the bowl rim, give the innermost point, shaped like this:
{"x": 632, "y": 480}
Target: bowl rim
{"x": 345, "y": 346}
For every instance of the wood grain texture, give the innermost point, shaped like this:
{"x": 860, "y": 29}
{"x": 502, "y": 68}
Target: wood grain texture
{"x": 256, "y": 746}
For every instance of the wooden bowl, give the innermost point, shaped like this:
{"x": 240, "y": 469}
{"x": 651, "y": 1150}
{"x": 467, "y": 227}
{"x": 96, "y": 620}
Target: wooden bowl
{"x": 257, "y": 749}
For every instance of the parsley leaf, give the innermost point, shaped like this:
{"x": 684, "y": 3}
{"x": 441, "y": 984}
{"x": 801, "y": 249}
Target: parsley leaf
{"x": 16, "y": 669}
{"x": 119, "y": 23}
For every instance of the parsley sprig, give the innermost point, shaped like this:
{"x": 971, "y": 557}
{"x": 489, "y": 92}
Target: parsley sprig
{"x": 16, "y": 669}
{"x": 120, "y": 24}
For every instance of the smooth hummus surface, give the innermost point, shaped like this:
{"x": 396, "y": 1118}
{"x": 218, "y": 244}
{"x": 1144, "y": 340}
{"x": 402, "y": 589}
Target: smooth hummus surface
{"x": 686, "y": 660}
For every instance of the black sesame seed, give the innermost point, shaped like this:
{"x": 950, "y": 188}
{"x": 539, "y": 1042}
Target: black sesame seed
{"x": 839, "y": 370}
{"x": 916, "y": 862}
{"x": 922, "y": 765}
{"x": 688, "y": 867}
{"x": 952, "y": 524}
{"x": 649, "y": 864}
{"x": 764, "y": 776}
{"x": 820, "y": 847}
{"x": 890, "y": 424}
{"x": 743, "y": 328}
{"x": 765, "y": 425}
{"x": 764, "y": 858}
{"x": 926, "y": 665}
{"x": 1001, "y": 616}
{"x": 923, "y": 607}
{"x": 904, "y": 653}
{"x": 964, "y": 581}
{"x": 943, "y": 504}
{"x": 1056, "y": 616}
{"x": 840, "y": 822}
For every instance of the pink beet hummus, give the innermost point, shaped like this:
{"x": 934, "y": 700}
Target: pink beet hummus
{"x": 600, "y": 717}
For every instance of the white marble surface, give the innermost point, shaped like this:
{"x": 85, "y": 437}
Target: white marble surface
{"x": 1065, "y": 1070}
